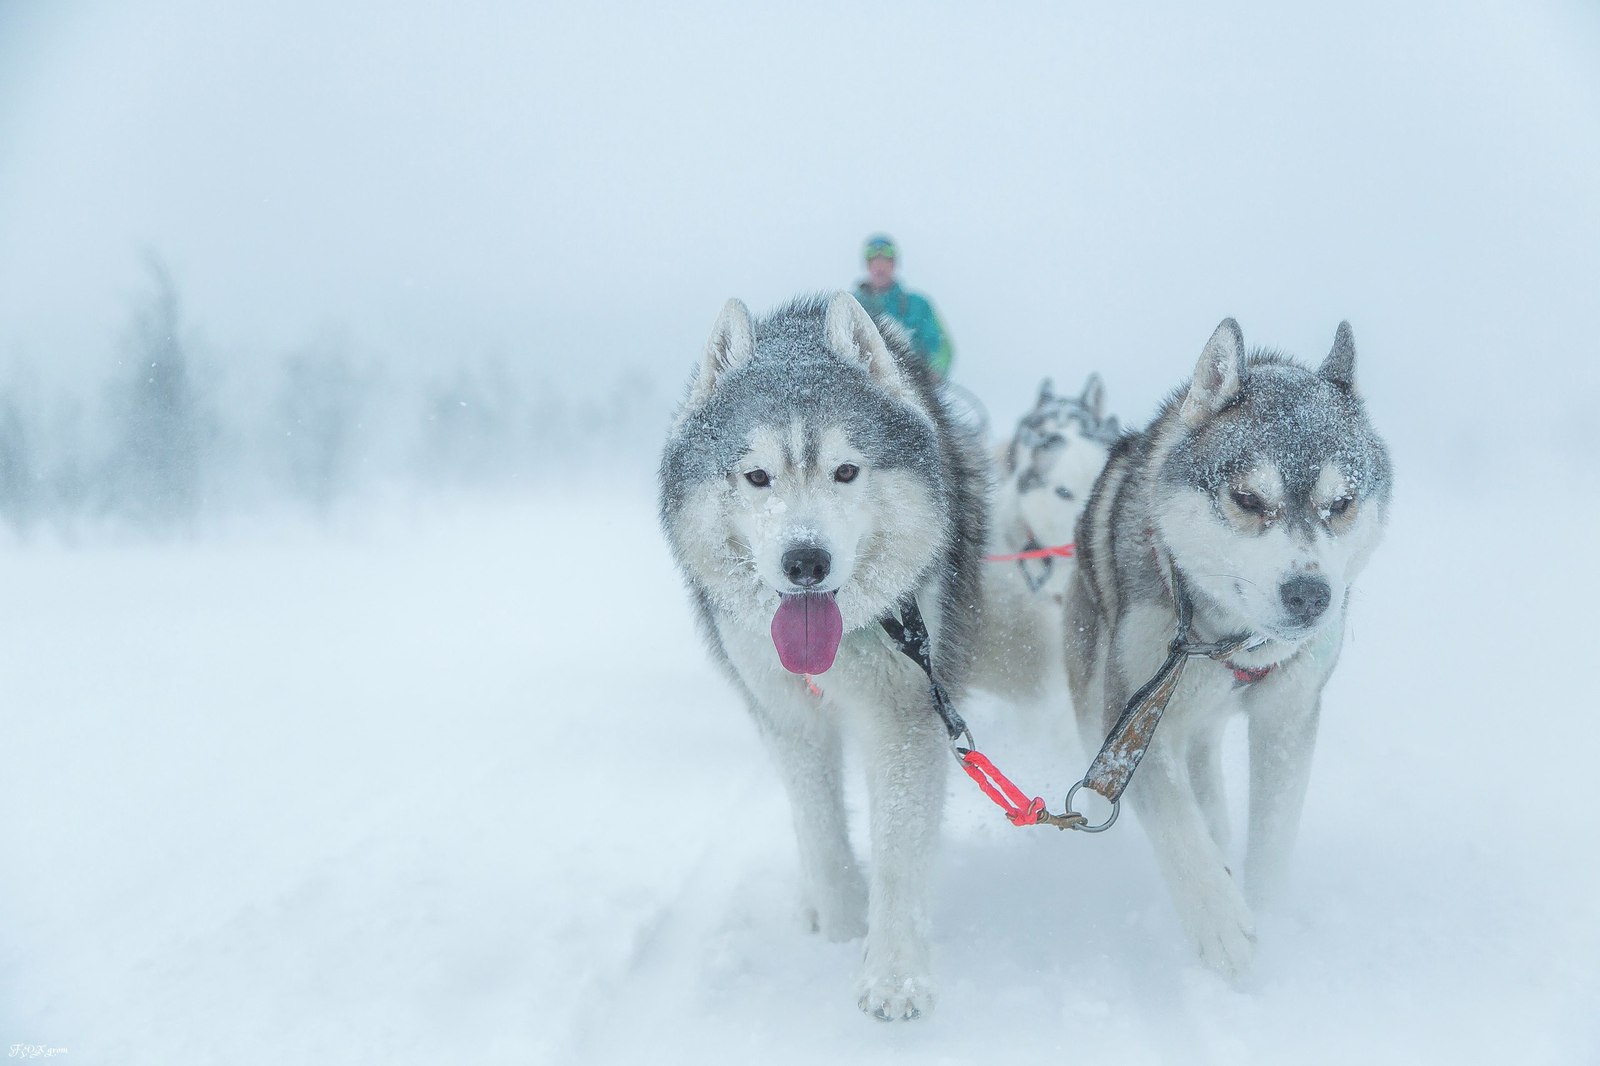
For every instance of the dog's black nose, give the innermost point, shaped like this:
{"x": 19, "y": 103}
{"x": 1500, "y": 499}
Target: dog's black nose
{"x": 1305, "y": 598}
{"x": 806, "y": 566}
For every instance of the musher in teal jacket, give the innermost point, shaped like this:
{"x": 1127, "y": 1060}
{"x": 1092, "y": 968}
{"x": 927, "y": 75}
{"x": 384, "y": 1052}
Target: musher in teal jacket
{"x": 880, "y": 294}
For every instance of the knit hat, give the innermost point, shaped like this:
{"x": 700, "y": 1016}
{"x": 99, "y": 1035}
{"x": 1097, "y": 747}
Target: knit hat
{"x": 880, "y": 246}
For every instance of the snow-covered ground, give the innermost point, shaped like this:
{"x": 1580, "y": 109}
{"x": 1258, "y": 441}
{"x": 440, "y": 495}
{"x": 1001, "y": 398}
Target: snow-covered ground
{"x": 460, "y": 786}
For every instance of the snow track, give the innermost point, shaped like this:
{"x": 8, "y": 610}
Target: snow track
{"x": 464, "y": 788}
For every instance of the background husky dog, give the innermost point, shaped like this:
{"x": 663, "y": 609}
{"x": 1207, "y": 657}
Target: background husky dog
{"x": 1261, "y": 487}
{"x": 813, "y": 481}
{"x": 1046, "y": 473}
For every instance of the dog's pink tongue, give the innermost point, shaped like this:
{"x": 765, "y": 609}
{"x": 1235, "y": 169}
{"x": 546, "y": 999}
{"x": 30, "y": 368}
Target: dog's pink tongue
{"x": 807, "y": 630}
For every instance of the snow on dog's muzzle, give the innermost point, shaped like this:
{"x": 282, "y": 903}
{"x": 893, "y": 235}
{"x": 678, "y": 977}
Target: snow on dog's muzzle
{"x": 806, "y": 630}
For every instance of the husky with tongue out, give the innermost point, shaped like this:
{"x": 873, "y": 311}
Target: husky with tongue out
{"x": 813, "y": 484}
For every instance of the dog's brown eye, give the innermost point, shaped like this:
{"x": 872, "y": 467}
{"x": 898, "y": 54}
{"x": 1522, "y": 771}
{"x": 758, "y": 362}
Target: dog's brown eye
{"x": 1064, "y": 492}
{"x": 1340, "y": 506}
{"x": 846, "y": 473}
{"x": 758, "y": 478}
{"x": 1248, "y": 501}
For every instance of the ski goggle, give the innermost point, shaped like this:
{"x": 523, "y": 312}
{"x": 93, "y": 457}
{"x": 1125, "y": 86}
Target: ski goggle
{"x": 880, "y": 250}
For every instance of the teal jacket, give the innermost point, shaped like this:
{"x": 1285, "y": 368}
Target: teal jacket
{"x": 929, "y": 339}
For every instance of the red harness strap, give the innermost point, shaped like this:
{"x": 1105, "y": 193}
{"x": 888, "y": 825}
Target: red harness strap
{"x": 1059, "y": 551}
{"x": 1011, "y": 799}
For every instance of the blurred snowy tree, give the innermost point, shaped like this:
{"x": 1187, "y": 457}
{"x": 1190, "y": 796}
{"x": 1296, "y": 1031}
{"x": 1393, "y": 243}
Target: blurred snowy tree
{"x": 69, "y": 484}
{"x": 19, "y": 486}
{"x": 469, "y": 432}
{"x": 159, "y": 429}
{"x": 550, "y": 421}
{"x": 319, "y": 409}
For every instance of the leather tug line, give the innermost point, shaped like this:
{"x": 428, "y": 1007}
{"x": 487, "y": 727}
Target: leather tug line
{"x": 1130, "y": 737}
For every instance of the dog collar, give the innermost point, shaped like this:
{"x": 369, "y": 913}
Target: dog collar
{"x": 1247, "y": 675}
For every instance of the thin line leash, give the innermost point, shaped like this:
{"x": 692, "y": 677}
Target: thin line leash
{"x": 1125, "y": 745}
{"x": 1057, "y": 551}
{"x": 1032, "y": 551}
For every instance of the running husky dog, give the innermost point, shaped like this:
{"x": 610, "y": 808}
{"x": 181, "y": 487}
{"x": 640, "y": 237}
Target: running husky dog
{"x": 1046, "y": 473}
{"x": 813, "y": 485}
{"x": 1259, "y": 492}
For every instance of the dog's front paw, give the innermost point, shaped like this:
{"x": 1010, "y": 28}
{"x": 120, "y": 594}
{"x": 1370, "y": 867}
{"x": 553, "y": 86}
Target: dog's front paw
{"x": 1222, "y": 927}
{"x": 896, "y": 997}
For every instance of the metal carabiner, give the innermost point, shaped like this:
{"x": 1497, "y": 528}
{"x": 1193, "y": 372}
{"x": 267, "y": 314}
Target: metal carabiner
{"x": 1116, "y": 809}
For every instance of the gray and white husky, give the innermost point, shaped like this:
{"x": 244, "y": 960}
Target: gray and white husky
{"x": 813, "y": 483}
{"x": 1261, "y": 489}
{"x": 1047, "y": 471}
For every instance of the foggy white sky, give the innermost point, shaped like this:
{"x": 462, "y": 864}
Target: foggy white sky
{"x": 579, "y": 187}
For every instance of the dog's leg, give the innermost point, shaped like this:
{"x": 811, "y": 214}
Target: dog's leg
{"x": 1210, "y": 905}
{"x": 905, "y": 751}
{"x": 808, "y": 757}
{"x": 1282, "y": 737}
{"x": 1205, "y": 777}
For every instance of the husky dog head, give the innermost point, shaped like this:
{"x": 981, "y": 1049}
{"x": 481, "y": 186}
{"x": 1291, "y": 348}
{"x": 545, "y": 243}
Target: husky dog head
{"x": 1272, "y": 487}
{"x": 1051, "y": 464}
{"x": 802, "y": 485}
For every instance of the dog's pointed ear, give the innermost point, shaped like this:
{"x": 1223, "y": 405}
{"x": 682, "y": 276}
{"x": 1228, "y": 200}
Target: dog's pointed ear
{"x": 1340, "y": 366}
{"x": 1047, "y": 392}
{"x": 1094, "y": 397}
{"x": 853, "y": 336}
{"x": 732, "y": 343}
{"x": 1218, "y": 376}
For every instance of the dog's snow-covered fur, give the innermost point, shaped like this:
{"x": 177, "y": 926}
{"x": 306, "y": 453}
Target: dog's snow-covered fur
{"x": 1264, "y": 487}
{"x": 1047, "y": 470}
{"x": 815, "y": 456}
